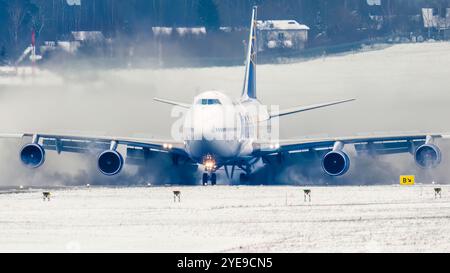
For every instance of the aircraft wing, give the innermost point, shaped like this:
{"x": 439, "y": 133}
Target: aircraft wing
{"x": 298, "y": 109}
{"x": 89, "y": 144}
{"x": 368, "y": 144}
{"x": 171, "y": 102}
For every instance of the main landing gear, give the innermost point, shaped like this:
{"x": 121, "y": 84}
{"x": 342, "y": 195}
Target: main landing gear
{"x": 244, "y": 178}
{"x": 209, "y": 177}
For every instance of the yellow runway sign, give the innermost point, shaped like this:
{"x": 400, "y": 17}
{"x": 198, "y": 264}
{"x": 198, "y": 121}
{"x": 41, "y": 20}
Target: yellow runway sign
{"x": 407, "y": 180}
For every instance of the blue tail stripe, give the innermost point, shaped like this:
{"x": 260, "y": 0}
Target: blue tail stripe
{"x": 251, "y": 92}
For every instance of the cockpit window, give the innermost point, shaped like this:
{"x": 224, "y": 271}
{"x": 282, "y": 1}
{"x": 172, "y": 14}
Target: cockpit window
{"x": 208, "y": 101}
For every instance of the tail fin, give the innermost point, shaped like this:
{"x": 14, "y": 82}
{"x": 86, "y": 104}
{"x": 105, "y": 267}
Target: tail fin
{"x": 249, "y": 90}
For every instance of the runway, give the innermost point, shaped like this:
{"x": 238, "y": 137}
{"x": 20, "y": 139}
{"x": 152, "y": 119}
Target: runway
{"x": 398, "y": 90}
{"x": 227, "y": 219}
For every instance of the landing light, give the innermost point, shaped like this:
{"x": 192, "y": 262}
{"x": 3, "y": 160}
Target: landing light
{"x": 210, "y": 163}
{"x": 167, "y": 146}
{"x": 274, "y": 146}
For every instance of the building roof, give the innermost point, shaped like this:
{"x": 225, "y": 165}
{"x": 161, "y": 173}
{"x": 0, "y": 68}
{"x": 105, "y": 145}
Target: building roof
{"x": 161, "y": 31}
{"x": 374, "y": 2}
{"x": 91, "y": 36}
{"x": 281, "y": 25}
{"x": 73, "y": 2}
{"x": 191, "y": 30}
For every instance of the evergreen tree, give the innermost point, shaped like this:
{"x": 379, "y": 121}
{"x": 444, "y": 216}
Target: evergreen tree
{"x": 3, "y": 22}
{"x": 208, "y": 14}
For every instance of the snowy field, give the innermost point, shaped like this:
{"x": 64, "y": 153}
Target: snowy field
{"x": 227, "y": 219}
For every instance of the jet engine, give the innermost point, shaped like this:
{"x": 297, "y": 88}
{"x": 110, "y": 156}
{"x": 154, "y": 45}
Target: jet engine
{"x": 336, "y": 163}
{"x": 32, "y": 155}
{"x": 110, "y": 162}
{"x": 428, "y": 156}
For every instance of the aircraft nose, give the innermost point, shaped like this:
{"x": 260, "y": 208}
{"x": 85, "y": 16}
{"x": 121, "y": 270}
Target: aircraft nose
{"x": 212, "y": 118}
{"x": 211, "y": 123}
{"x": 208, "y": 131}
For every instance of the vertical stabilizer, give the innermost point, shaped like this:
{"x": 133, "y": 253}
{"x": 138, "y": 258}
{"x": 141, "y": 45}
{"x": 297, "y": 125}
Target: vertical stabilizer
{"x": 249, "y": 90}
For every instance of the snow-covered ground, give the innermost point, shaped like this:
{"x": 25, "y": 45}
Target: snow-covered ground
{"x": 27, "y": 76}
{"x": 228, "y": 219}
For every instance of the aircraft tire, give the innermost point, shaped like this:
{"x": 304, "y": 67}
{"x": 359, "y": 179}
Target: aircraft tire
{"x": 213, "y": 179}
{"x": 205, "y": 179}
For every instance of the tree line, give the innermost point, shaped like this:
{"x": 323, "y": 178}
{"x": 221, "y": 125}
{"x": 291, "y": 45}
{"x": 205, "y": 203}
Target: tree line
{"x": 337, "y": 20}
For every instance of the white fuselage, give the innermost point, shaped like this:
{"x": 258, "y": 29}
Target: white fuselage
{"x": 219, "y": 127}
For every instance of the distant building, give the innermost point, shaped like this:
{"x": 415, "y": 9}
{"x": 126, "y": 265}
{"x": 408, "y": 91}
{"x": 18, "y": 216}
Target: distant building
{"x": 281, "y": 34}
{"x": 439, "y": 21}
{"x": 181, "y": 31}
{"x": 90, "y": 42}
{"x": 383, "y": 15}
{"x": 73, "y": 2}
{"x": 376, "y": 13}
{"x": 88, "y": 37}
{"x": 191, "y": 31}
{"x": 93, "y": 42}
{"x": 162, "y": 31}
{"x": 374, "y": 2}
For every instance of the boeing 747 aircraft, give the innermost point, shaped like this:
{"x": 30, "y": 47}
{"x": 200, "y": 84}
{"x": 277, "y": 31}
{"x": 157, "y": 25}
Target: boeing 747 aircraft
{"x": 219, "y": 132}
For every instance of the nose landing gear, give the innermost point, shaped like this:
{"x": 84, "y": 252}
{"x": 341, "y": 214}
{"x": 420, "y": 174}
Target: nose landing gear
{"x": 210, "y": 167}
{"x": 209, "y": 177}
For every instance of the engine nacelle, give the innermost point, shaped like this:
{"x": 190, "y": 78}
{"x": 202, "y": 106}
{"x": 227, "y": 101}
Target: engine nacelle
{"x": 32, "y": 155}
{"x": 110, "y": 162}
{"x": 336, "y": 163}
{"x": 428, "y": 156}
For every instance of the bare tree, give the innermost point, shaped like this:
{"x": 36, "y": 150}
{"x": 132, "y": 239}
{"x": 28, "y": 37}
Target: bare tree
{"x": 17, "y": 15}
